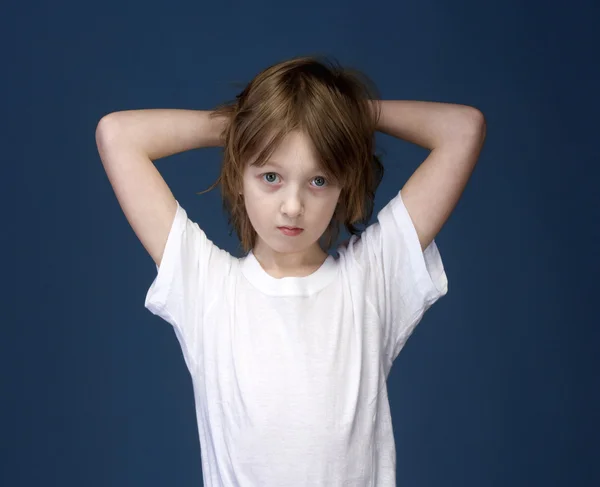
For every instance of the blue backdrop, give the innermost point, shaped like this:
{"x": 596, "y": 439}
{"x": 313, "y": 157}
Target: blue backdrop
{"x": 498, "y": 385}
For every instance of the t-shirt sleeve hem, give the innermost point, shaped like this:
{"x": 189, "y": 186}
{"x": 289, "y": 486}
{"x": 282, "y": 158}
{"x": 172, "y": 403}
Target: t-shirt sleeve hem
{"x": 159, "y": 291}
{"x": 429, "y": 268}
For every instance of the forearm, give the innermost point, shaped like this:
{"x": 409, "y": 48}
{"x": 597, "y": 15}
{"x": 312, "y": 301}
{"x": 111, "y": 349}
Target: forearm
{"x": 429, "y": 124}
{"x": 160, "y": 133}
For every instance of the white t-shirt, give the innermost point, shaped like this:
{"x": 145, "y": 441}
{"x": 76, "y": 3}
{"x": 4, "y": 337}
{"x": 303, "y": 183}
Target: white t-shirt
{"x": 289, "y": 375}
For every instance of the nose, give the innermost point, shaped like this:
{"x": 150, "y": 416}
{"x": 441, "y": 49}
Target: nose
{"x": 292, "y": 205}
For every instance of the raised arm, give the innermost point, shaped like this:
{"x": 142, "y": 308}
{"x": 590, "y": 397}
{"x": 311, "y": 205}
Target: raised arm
{"x": 128, "y": 143}
{"x": 455, "y": 135}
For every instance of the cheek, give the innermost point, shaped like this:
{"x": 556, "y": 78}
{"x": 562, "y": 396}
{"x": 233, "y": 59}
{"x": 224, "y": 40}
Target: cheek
{"x": 324, "y": 209}
{"x": 332, "y": 201}
{"x": 257, "y": 208}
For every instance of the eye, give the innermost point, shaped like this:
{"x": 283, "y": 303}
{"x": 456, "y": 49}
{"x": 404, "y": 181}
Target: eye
{"x": 269, "y": 176}
{"x": 321, "y": 181}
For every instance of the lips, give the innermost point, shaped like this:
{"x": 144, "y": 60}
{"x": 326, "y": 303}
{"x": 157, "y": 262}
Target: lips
{"x": 290, "y": 231}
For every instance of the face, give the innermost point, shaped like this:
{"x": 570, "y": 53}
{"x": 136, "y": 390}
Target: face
{"x": 289, "y": 191}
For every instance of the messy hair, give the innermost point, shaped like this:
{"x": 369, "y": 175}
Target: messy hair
{"x": 335, "y": 107}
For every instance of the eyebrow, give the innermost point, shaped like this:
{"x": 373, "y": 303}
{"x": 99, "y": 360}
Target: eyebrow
{"x": 273, "y": 163}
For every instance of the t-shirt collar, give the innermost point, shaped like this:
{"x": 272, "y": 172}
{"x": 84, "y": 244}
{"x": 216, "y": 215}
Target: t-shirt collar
{"x": 288, "y": 286}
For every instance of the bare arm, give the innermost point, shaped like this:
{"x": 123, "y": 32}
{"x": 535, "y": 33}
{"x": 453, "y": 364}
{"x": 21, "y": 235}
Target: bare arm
{"x": 426, "y": 123}
{"x": 455, "y": 135}
{"x": 128, "y": 142}
{"x": 160, "y": 133}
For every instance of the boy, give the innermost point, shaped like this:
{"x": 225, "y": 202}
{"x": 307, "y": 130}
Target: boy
{"x": 288, "y": 347}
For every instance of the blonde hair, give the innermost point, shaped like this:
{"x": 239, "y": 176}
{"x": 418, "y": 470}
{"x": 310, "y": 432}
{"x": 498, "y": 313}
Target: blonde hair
{"x": 329, "y": 104}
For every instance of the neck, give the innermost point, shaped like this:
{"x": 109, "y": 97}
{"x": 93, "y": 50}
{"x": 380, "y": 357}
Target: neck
{"x": 289, "y": 264}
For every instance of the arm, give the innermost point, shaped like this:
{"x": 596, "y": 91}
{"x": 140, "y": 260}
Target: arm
{"x": 427, "y": 124}
{"x": 455, "y": 135}
{"x": 128, "y": 142}
{"x": 160, "y": 133}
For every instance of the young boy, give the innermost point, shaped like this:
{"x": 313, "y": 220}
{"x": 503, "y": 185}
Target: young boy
{"x": 288, "y": 347}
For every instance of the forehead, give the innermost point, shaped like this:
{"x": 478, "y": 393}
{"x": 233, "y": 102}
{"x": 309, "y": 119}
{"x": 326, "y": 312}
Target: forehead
{"x": 295, "y": 151}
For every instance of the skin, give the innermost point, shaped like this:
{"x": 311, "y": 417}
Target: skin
{"x": 290, "y": 190}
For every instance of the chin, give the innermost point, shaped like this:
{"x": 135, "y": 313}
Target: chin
{"x": 284, "y": 247}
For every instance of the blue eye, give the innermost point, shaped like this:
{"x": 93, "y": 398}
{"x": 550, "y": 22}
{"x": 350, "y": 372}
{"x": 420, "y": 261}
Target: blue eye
{"x": 271, "y": 178}
{"x": 270, "y": 174}
{"x": 324, "y": 181}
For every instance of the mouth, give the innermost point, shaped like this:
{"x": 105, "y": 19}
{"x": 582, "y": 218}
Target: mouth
{"x": 290, "y": 231}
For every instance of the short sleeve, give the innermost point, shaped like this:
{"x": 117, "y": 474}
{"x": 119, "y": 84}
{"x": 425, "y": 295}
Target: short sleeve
{"x": 402, "y": 281}
{"x": 179, "y": 293}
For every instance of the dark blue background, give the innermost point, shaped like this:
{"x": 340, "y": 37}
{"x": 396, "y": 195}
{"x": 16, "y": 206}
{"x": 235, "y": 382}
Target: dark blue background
{"x": 499, "y": 384}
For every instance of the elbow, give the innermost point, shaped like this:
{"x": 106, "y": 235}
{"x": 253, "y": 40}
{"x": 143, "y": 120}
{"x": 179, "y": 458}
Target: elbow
{"x": 468, "y": 129}
{"x": 106, "y": 134}
{"x": 474, "y": 125}
{"x": 475, "y": 122}
{"x": 107, "y": 129}
{"x": 105, "y": 122}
